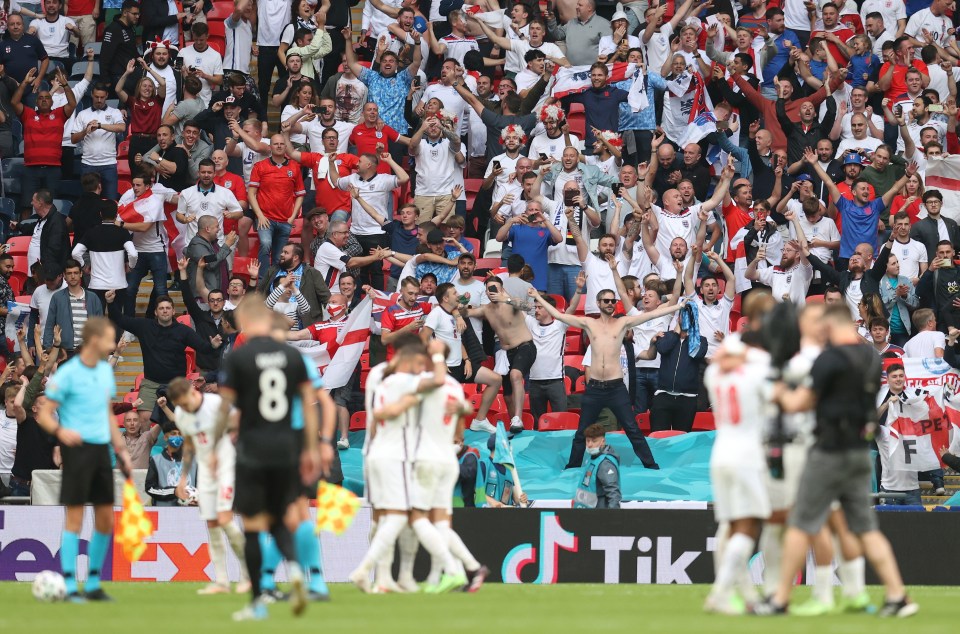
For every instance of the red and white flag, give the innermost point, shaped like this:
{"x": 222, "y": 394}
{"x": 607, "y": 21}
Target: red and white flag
{"x": 691, "y": 88}
{"x": 573, "y": 79}
{"x": 943, "y": 173}
{"x": 912, "y": 422}
{"x": 143, "y": 208}
{"x": 338, "y": 345}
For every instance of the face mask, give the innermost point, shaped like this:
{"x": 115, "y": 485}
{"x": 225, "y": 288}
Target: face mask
{"x": 593, "y": 451}
{"x": 175, "y": 442}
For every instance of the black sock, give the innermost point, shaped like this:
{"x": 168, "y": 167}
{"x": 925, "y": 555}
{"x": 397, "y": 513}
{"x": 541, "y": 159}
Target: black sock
{"x": 284, "y": 541}
{"x": 254, "y": 557}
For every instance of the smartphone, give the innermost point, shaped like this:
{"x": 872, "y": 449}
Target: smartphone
{"x": 531, "y": 217}
{"x": 317, "y": 109}
{"x": 496, "y": 165}
{"x": 946, "y": 263}
{"x": 178, "y": 63}
{"x": 416, "y": 82}
{"x": 616, "y": 187}
{"x": 935, "y": 107}
{"x": 210, "y": 259}
{"x": 898, "y": 111}
{"x": 568, "y": 196}
{"x": 543, "y": 157}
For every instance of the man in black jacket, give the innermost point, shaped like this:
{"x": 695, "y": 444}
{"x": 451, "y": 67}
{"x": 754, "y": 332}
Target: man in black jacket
{"x": 54, "y": 234}
{"x": 860, "y": 277}
{"x": 939, "y": 287}
{"x": 156, "y": 18}
{"x": 310, "y": 281}
{"x": 809, "y": 130}
{"x": 88, "y": 211}
{"x": 120, "y": 42}
{"x": 927, "y": 230}
{"x": 207, "y": 323}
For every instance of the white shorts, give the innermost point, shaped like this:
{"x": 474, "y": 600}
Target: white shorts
{"x": 389, "y": 485}
{"x": 783, "y": 493}
{"x": 215, "y": 492}
{"x": 739, "y": 493}
{"x": 433, "y": 485}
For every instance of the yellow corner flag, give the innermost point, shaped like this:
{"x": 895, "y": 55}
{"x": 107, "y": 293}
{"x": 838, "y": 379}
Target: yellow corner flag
{"x": 336, "y": 508}
{"x": 135, "y": 526}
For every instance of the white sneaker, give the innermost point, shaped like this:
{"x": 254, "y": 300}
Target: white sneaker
{"x": 940, "y": 491}
{"x": 482, "y": 425}
{"x": 361, "y": 579}
{"x": 516, "y": 425}
{"x": 242, "y": 587}
{"x": 215, "y": 588}
{"x": 343, "y": 443}
{"x": 407, "y": 585}
{"x": 298, "y": 589}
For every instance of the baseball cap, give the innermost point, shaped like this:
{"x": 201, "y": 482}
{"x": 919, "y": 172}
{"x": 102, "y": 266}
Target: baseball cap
{"x": 230, "y": 100}
{"x": 803, "y": 177}
{"x": 435, "y": 237}
{"x": 853, "y": 159}
{"x": 316, "y": 211}
{"x": 619, "y": 14}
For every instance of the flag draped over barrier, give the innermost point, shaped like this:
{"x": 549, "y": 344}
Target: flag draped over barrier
{"x": 338, "y": 345}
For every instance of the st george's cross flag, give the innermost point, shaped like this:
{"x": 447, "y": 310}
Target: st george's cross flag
{"x": 569, "y": 80}
{"x": 912, "y": 421}
{"x": 337, "y": 345}
{"x": 943, "y": 174}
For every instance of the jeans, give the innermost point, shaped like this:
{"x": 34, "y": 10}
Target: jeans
{"x": 155, "y": 263}
{"x": 613, "y": 395}
{"x": 272, "y": 240}
{"x": 267, "y": 60}
{"x": 38, "y": 177}
{"x": 672, "y": 412}
{"x": 912, "y": 499}
{"x": 550, "y": 391}
{"x": 108, "y": 177}
{"x": 934, "y": 477}
{"x": 647, "y": 381}
{"x": 562, "y": 279}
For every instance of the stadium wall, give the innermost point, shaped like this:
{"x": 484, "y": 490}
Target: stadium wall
{"x": 520, "y": 546}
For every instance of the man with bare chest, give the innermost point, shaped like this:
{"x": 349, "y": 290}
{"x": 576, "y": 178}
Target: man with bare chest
{"x": 507, "y": 317}
{"x": 606, "y": 388}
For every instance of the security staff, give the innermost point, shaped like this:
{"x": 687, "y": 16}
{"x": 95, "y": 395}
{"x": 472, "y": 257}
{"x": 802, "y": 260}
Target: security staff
{"x": 500, "y": 488}
{"x": 470, "y": 470}
{"x": 599, "y": 483}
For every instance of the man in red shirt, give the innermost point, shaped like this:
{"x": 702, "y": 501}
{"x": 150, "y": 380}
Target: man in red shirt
{"x": 233, "y": 182}
{"x": 893, "y": 73}
{"x": 42, "y": 136}
{"x": 406, "y": 315}
{"x": 372, "y": 136}
{"x": 327, "y": 195}
{"x": 275, "y": 193}
{"x": 84, "y": 13}
{"x": 836, "y": 30}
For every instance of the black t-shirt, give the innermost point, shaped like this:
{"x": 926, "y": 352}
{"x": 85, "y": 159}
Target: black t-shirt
{"x": 34, "y": 449}
{"x": 267, "y": 376}
{"x": 181, "y": 178}
{"x": 846, "y": 380}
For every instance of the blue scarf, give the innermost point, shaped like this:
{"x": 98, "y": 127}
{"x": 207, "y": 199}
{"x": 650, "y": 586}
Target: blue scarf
{"x": 690, "y": 323}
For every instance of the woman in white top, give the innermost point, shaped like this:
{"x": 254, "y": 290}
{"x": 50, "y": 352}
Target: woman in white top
{"x": 287, "y": 300}
{"x": 300, "y": 97}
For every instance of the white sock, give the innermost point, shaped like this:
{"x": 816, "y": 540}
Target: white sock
{"x": 436, "y": 570}
{"x": 735, "y": 558}
{"x": 382, "y": 544}
{"x": 236, "y": 540}
{"x": 748, "y": 590}
{"x": 435, "y": 544}
{"x": 409, "y": 544}
{"x": 771, "y": 545}
{"x": 823, "y": 584}
{"x": 852, "y": 576}
{"x": 457, "y": 548}
{"x": 218, "y": 555}
{"x": 720, "y": 544}
{"x": 516, "y": 420}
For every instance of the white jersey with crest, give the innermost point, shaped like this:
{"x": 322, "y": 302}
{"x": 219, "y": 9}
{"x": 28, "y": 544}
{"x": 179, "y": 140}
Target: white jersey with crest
{"x": 739, "y": 399}
{"x": 373, "y": 382}
{"x": 199, "y": 426}
{"x": 436, "y": 429}
{"x": 394, "y": 438}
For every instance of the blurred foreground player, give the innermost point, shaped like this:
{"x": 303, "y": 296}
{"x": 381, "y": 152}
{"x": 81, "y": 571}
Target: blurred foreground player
{"x": 80, "y": 394}
{"x": 846, "y": 379}
{"x": 264, "y": 379}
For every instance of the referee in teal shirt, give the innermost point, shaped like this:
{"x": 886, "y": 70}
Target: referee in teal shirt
{"x": 80, "y": 393}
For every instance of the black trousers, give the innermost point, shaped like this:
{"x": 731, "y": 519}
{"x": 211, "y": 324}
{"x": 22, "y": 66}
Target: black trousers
{"x": 612, "y": 394}
{"x": 268, "y": 59}
{"x": 372, "y": 274}
{"x": 672, "y": 412}
{"x": 332, "y": 60}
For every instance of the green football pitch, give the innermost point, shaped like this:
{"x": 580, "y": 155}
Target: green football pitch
{"x": 174, "y": 607}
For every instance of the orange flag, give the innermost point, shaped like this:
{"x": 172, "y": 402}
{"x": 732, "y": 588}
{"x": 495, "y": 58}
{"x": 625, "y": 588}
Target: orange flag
{"x": 135, "y": 527}
{"x": 336, "y": 508}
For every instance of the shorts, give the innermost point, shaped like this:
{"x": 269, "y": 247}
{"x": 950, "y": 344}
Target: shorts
{"x": 148, "y": 394}
{"x": 341, "y": 395}
{"x": 739, "y": 493}
{"x": 388, "y": 485}
{"x": 266, "y": 489}
{"x": 433, "y": 485}
{"x": 845, "y": 476}
{"x": 783, "y": 492}
{"x": 522, "y": 357}
{"x": 87, "y": 476}
{"x": 215, "y": 492}
{"x": 458, "y": 372}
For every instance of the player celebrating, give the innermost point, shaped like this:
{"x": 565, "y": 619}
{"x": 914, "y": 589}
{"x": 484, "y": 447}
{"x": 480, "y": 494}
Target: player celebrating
{"x": 737, "y": 386}
{"x": 264, "y": 379}
{"x": 195, "y": 415}
{"x": 80, "y": 393}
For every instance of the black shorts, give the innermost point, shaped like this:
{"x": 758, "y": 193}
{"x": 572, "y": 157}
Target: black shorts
{"x": 522, "y": 357}
{"x": 458, "y": 373}
{"x": 266, "y": 489}
{"x": 87, "y": 476}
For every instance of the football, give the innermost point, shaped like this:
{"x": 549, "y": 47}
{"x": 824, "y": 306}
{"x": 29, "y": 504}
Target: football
{"x": 49, "y": 587}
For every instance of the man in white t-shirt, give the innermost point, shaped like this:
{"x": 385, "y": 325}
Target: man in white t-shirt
{"x": 331, "y": 260}
{"x": 789, "y": 281}
{"x": 821, "y": 231}
{"x": 552, "y": 136}
{"x": 893, "y": 12}
{"x": 546, "y": 386}
{"x": 503, "y": 165}
{"x": 714, "y": 307}
{"x": 54, "y": 32}
{"x": 932, "y": 20}
{"x": 439, "y": 155}
{"x": 911, "y": 254}
{"x": 928, "y": 343}
{"x": 96, "y": 129}
{"x": 443, "y": 90}
{"x": 203, "y": 61}
{"x": 206, "y": 199}
{"x": 516, "y": 49}
{"x": 466, "y": 284}
{"x": 40, "y": 300}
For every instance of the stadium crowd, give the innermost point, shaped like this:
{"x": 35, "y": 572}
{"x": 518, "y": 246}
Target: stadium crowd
{"x": 491, "y": 176}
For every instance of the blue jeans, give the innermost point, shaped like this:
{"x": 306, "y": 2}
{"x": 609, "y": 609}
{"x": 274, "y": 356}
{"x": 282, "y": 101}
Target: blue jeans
{"x": 647, "y": 381}
{"x": 612, "y": 394}
{"x": 108, "y": 177}
{"x": 562, "y": 279}
{"x": 155, "y": 263}
{"x": 934, "y": 477}
{"x": 38, "y": 177}
{"x": 912, "y": 499}
{"x": 272, "y": 240}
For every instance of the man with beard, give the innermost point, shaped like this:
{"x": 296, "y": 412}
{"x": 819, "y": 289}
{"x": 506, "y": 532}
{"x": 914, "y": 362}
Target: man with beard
{"x": 120, "y": 42}
{"x": 206, "y": 199}
{"x": 308, "y": 280}
{"x": 500, "y": 169}
{"x": 328, "y": 158}
{"x": 791, "y": 279}
{"x": 589, "y": 177}
{"x": 601, "y": 102}
{"x": 315, "y": 126}
{"x": 6, "y": 293}
{"x": 510, "y": 116}
{"x": 208, "y": 323}
{"x": 171, "y": 161}
{"x": 835, "y": 168}
{"x": 470, "y": 289}
{"x": 160, "y": 55}
{"x": 196, "y": 149}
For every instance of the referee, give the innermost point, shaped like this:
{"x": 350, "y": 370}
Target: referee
{"x": 845, "y": 382}
{"x": 267, "y": 381}
{"x": 80, "y": 393}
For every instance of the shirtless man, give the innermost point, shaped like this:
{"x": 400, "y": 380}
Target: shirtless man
{"x": 507, "y": 317}
{"x": 606, "y": 387}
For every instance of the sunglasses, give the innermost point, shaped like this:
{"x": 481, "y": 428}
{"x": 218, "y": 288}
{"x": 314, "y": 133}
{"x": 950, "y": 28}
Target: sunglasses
{"x": 608, "y": 300}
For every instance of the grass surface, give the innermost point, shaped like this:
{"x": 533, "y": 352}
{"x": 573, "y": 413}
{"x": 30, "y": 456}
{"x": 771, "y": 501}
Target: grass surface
{"x": 174, "y": 607}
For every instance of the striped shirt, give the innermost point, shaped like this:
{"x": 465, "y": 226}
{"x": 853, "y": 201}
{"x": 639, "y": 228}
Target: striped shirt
{"x": 78, "y": 313}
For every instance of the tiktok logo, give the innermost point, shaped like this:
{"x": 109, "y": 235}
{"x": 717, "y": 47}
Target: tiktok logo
{"x": 552, "y": 538}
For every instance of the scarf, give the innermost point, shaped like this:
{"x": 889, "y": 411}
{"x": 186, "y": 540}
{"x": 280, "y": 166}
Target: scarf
{"x": 690, "y": 323}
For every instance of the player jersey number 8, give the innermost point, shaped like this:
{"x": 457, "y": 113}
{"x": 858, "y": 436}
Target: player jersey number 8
{"x": 273, "y": 402}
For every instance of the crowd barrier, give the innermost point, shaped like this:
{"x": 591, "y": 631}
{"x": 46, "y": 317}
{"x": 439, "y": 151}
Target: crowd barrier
{"x": 634, "y": 546}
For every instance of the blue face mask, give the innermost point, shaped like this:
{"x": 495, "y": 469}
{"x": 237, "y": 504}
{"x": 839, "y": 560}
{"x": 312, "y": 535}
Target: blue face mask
{"x": 175, "y": 442}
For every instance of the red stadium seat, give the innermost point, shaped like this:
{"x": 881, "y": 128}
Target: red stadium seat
{"x": 577, "y": 120}
{"x": 580, "y": 385}
{"x": 575, "y": 344}
{"x": 667, "y": 433}
{"x": 573, "y": 361}
{"x": 131, "y": 397}
{"x": 136, "y": 384}
{"x": 220, "y": 12}
{"x": 20, "y": 263}
{"x": 297, "y": 227}
{"x": 581, "y": 305}
{"x": 488, "y": 263}
{"x": 560, "y": 300}
{"x": 185, "y": 320}
{"x": 191, "y": 360}
{"x": 240, "y": 265}
{"x": 703, "y": 421}
{"x": 123, "y": 150}
{"x": 16, "y": 281}
{"x": 364, "y": 361}
{"x": 18, "y": 245}
{"x": 476, "y": 246}
{"x": 358, "y": 422}
{"x": 123, "y": 185}
{"x": 815, "y": 299}
{"x": 527, "y": 419}
{"x": 568, "y": 384}
{"x": 559, "y": 421}
{"x": 23, "y": 299}
{"x": 741, "y": 324}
